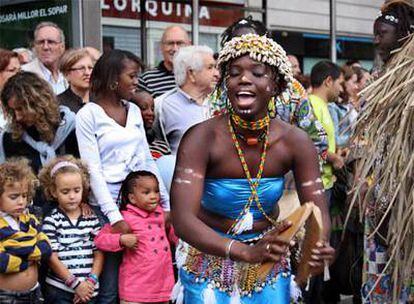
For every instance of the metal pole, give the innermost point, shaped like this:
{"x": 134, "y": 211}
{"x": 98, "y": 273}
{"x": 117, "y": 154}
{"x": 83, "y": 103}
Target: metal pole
{"x": 195, "y": 25}
{"x": 77, "y": 24}
{"x": 143, "y": 22}
{"x": 332, "y": 29}
{"x": 264, "y": 13}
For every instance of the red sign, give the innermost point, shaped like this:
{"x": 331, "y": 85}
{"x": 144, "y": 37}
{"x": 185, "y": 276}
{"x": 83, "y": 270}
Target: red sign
{"x": 212, "y": 14}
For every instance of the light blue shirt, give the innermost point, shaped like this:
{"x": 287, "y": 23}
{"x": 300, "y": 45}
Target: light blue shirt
{"x": 178, "y": 113}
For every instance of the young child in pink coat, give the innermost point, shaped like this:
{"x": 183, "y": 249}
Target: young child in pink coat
{"x": 146, "y": 273}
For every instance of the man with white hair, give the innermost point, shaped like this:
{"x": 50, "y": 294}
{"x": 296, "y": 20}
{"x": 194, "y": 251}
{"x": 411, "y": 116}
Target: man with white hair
{"x": 196, "y": 76}
{"x": 49, "y": 46}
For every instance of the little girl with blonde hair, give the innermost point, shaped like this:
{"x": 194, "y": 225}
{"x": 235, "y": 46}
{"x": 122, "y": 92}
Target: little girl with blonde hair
{"x": 76, "y": 263}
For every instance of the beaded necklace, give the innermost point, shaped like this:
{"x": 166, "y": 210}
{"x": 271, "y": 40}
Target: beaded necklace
{"x": 251, "y": 125}
{"x": 252, "y": 141}
{"x": 244, "y": 220}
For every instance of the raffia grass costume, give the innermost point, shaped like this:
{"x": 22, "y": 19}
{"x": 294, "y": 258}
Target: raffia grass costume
{"x": 386, "y": 125}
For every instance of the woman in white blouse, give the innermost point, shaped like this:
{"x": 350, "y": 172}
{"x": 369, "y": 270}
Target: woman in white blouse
{"x": 112, "y": 140}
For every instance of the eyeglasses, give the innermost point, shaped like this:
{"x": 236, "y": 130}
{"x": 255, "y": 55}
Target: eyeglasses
{"x": 48, "y": 41}
{"x": 82, "y": 69}
{"x": 172, "y": 43}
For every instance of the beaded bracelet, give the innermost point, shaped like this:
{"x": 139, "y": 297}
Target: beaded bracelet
{"x": 93, "y": 278}
{"x": 72, "y": 282}
{"x": 228, "y": 249}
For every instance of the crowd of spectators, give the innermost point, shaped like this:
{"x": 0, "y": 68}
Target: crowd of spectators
{"x": 115, "y": 119}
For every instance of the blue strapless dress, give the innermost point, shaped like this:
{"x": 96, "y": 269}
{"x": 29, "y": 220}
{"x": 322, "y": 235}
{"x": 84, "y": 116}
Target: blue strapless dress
{"x": 227, "y": 198}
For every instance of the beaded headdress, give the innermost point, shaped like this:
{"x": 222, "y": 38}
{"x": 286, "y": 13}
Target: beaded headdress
{"x": 388, "y": 17}
{"x": 259, "y": 48}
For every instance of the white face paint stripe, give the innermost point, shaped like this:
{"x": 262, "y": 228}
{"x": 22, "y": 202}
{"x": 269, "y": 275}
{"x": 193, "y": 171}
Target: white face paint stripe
{"x": 190, "y": 172}
{"x": 182, "y": 181}
{"x": 310, "y": 183}
{"x": 318, "y": 192}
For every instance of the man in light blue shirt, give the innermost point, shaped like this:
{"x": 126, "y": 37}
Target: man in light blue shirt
{"x": 196, "y": 76}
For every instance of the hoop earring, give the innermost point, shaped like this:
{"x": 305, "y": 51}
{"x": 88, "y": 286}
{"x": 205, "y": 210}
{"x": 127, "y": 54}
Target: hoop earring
{"x": 114, "y": 86}
{"x": 271, "y": 107}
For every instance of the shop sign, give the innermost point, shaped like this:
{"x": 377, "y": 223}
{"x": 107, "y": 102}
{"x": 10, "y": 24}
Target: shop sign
{"x": 17, "y": 21}
{"x": 33, "y": 13}
{"x": 212, "y": 14}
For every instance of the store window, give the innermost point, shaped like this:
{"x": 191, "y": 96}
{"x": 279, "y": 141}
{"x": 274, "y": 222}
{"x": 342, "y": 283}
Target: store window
{"x": 311, "y": 48}
{"x": 123, "y": 38}
{"x": 120, "y": 15}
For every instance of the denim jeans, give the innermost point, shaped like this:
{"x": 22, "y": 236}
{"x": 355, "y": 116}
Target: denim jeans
{"x": 108, "y": 280}
{"x": 21, "y": 297}
{"x": 54, "y": 295}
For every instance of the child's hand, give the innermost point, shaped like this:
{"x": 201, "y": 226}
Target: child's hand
{"x": 77, "y": 300}
{"x": 84, "y": 291}
{"x": 129, "y": 240}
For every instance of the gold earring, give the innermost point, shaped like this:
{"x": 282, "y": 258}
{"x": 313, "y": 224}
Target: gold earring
{"x": 113, "y": 86}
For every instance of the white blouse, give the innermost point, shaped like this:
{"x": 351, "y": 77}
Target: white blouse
{"x": 111, "y": 152}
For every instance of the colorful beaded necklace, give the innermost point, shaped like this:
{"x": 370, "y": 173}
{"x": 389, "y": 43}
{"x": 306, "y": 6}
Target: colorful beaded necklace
{"x": 251, "y": 125}
{"x": 252, "y": 141}
{"x": 244, "y": 220}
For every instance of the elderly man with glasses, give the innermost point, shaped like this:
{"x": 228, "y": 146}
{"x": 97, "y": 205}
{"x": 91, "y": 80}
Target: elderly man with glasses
{"x": 49, "y": 46}
{"x": 161, "y": 79}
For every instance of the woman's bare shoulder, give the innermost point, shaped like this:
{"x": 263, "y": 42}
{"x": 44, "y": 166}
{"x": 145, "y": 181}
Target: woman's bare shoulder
{"x": 292, "y": 135}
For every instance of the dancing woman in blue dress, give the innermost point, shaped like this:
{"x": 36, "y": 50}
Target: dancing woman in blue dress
{"x": 229, "y": 178}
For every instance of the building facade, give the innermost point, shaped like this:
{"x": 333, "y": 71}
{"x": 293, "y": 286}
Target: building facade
{"x": 301, "y": 26}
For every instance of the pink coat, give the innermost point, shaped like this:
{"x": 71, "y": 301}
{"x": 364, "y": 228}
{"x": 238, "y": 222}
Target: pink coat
{"x": 146, "y": 274}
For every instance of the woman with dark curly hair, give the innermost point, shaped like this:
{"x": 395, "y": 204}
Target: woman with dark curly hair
{"x": 38, "y": 128}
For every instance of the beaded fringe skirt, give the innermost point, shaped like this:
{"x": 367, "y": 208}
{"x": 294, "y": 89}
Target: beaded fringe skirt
{"x": 208, "y": 279}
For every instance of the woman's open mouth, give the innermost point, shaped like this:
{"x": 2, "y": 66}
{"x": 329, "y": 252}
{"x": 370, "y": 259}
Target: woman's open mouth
{"x": 245, "y": 99}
